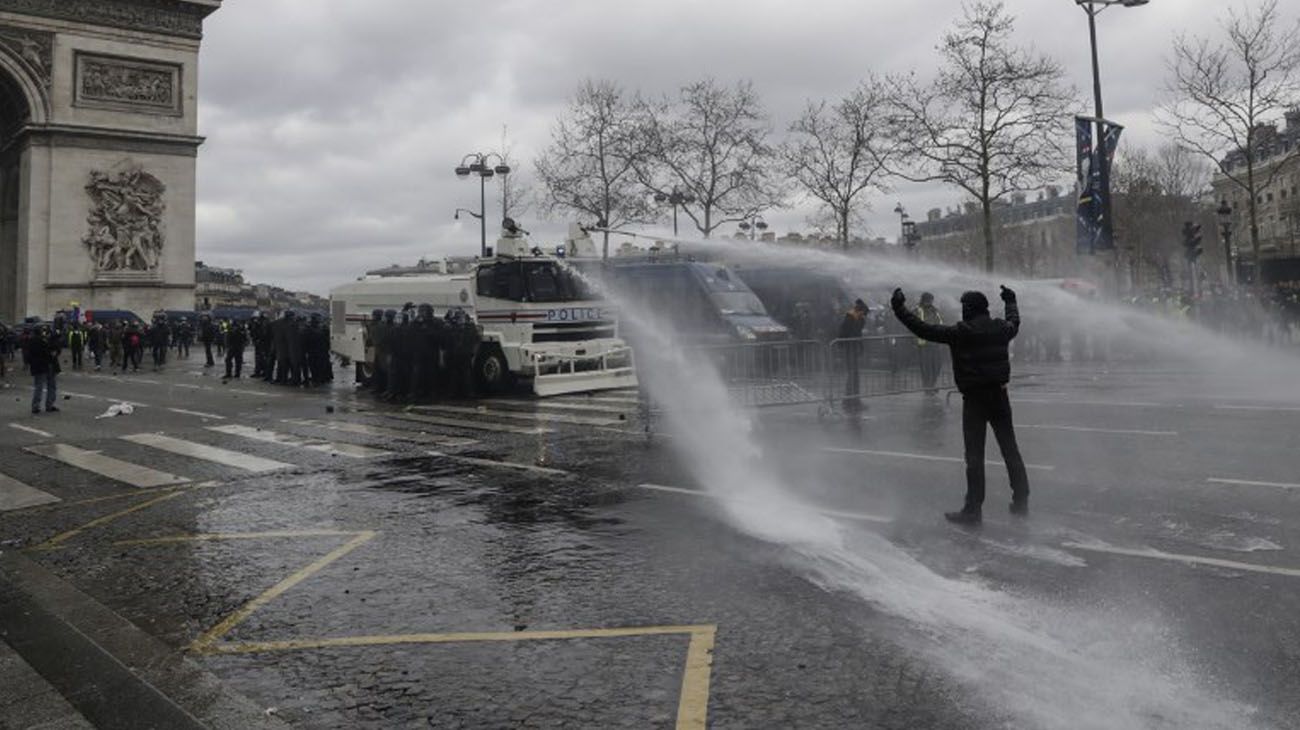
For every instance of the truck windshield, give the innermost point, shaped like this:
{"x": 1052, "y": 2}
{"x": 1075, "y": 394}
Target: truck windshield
{"x": 730, "y": 295}
{"x": 549, "y": 282}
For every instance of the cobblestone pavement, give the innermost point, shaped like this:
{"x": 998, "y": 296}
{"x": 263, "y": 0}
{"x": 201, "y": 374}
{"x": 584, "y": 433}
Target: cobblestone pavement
{"x": 313, "y": 559}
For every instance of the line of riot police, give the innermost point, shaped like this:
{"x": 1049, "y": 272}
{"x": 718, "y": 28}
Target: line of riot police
{"x": 418, "y": 357}
{"x": 291, "y": 350}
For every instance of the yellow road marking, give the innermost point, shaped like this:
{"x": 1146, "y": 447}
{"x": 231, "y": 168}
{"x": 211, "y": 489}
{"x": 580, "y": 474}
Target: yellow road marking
{"x": 253, "y": 647}
{"x": 59, "y": 539}
{"x": 204, "y": 643}
{"x": 693, "y": 707}
{"x": 236, "y": 536}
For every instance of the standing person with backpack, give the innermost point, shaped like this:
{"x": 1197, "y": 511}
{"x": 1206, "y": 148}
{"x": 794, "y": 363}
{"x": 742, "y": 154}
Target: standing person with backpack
{"x": 132, "y": 347}
{"x": 42, "y": 353}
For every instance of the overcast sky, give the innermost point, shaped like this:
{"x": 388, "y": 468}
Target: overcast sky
{"x": 333, "y": 125}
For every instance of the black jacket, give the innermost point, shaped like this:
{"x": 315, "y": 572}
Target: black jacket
{"x": 979, "y": 345}
{"x": 42, "y": 355}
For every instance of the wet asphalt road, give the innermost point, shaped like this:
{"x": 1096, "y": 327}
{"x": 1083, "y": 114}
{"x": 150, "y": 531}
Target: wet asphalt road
{"x": 540, "y": 569}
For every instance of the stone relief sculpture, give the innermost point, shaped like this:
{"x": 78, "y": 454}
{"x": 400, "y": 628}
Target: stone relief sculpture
{"x": 126, "y": 221}
{"x": 103, "y": 80}
{"x": 35, "y": 48}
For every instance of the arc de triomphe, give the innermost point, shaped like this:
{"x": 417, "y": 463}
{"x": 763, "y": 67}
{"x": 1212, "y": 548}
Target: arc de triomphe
{"x": 98, "y": 140}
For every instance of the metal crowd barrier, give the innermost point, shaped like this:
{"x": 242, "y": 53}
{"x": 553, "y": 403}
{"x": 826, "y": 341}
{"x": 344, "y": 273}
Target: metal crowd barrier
{"x": 831, "y": 375}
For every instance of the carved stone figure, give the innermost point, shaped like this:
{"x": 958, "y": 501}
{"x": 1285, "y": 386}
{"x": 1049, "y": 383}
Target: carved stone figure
{"x": 126, "y": 220}
{"x": 35, "y": 48}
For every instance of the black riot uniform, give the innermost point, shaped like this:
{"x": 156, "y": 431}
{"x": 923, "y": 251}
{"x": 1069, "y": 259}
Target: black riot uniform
{"x": 401, "y": 345}
{"x": 424, "y": 355}
{"x": 462, "y": 339}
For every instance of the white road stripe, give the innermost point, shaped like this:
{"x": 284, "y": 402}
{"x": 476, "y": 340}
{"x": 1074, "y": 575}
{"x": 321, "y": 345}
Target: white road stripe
{"x": 1285, "y": 409}
{"x": 1086, "y": 429}
{"x": 1249, "y": 483}
{"x": 564, "y": 405}
{"x": 192, "y": 386}
{"x": 859, "y": 516}
{"x": 115, "y": 469}
{"x": 328, "y": 447}
{"x": 466, "y": 424}
{"x": 502, "y": 464}
{"x": 16, "y": 495}
{"x": 365, "y": 429}
{"x": 1053, "y": 401}
{"x": 928, "y": 457}
{"x": 264, "y": 393}
{"x": 200, "y": 414}
{"x": 235, "y": 459}
{"x": 521, "y": 416}
{"x": 29, "y": 429}
{"x": 626, "y": 400}
{"x": 134, "y": 404}
{"x": 1187, "y": 559}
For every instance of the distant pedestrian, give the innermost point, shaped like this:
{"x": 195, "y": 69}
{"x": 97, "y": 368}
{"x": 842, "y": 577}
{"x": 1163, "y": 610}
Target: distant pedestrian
{"x": 928, "y": 356}
{"x": 236, "y": 341}
{"x": 850, "y": 342}
{"x": 981, "y": 365}
{"x": 132, "y": 347}
{"x": 95, "y": 341}
{"x": 207, "y": 335}
{"x": 76, "y": 344}
{"x": 42, "y": 353}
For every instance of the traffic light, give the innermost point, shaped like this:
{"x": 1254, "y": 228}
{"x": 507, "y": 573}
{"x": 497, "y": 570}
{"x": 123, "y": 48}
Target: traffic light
{"x": 1192, "y": 241}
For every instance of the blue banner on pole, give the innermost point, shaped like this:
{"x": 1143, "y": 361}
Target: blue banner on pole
{"x": 1094, "y": 227}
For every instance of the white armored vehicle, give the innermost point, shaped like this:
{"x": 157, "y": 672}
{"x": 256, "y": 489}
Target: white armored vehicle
{"x": 539, "y": 322}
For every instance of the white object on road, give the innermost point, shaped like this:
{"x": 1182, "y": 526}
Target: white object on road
{"x": 117, "y": 409}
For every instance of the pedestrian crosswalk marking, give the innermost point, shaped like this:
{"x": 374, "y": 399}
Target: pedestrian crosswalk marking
{"x": 200, "y": 414}
{"x": 521, "y": 416}
{"x": 502, "y": 464}
{"x": 16, "y": 495}
{"x": 262, "y": 393}
{"x": 467, "y": 424}
{"x": 1252, "y": 483}
{"x": 927, "y": 457}
{"x": 365, "y": 429}
{"x": 235, "y": 459}
{"x": 29, "y": 429}
{"x": 329, "y": 447}
{"x": 1154, "y": 554}
{"x": 565, "y": 405}
{"x": 107, "y": 466}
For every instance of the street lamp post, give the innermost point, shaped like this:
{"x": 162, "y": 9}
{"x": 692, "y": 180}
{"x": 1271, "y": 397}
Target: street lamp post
{"x": 753, "y": 226}
{"x": 1225, "y": 231}
{"x": 675, "y": 198}
{"x": 1094, "y": 8}
{"x": 477, "y": 163}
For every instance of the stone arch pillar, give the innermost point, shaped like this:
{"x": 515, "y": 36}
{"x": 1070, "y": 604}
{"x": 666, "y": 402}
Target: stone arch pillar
{"x": 97, "y": 182}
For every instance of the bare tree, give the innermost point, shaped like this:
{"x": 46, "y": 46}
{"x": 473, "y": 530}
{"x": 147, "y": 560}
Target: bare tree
{"x": 1154, "y": 193}
{"x": 590, "y": 166}
{"x": 516, "y": 198}
{"x": 992, "y": 122}
{"x": 1224, "y": 95}
{"x": 711, "y": 142}
{"x": 837, "y": 152}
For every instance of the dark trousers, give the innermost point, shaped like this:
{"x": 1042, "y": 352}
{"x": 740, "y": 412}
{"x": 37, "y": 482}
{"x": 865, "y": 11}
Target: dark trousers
{"x": 931, "y": 358}
{"x": 982, "y": 408}
{"x": 76, "y": 358}
{"x": 47, "y": 385}
{"x": 234, "y": 358}
{"x": 159, "y": 355}
{"x": 207, "y": 352}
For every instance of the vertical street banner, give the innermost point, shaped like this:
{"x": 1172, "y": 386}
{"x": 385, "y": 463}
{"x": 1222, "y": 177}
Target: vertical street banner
{"x": 1094, "y": 224}
{"x": 1088, "y": 211}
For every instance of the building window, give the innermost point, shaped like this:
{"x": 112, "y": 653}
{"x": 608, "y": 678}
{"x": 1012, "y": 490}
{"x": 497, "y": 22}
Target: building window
{"x": 1270, "y": 197}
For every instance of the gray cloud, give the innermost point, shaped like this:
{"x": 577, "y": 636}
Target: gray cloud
{"x": 333, "y": 126}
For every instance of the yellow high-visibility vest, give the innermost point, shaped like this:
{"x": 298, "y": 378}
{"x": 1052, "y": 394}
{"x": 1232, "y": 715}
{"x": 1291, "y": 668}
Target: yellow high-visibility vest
{"x": 920, "y": 314}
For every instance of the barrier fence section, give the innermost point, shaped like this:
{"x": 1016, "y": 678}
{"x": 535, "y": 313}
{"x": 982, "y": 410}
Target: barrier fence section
{"x": 764, "y": 374}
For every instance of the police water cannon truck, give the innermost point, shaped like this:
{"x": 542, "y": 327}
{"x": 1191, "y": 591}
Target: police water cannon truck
{"x": 538, "y": 321}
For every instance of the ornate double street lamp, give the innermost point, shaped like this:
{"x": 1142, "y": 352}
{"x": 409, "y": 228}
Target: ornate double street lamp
{"x": 675, "y": 198}
{"x": 907, "y": 228}
{"x": 753, "y": 226}
{"x": 477, "y": 163}
{"x": 1225, "y": 231}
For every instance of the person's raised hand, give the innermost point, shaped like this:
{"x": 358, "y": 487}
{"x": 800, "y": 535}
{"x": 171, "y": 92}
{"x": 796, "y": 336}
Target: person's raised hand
{"x": 1008, "y": 295}
{"x": 898, "y": 300}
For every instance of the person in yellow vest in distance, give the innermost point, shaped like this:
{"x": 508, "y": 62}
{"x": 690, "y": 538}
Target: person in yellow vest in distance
{"x": 929, "y": 356}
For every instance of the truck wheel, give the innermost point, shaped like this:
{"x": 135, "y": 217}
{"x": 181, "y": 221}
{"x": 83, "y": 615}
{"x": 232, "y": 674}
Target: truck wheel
{"x": 365, "y": 372}
{"x": 492, "y": 371}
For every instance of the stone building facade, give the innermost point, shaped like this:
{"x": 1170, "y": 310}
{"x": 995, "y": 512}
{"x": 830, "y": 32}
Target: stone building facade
{"x": 98, "y": 140}
{"x": 1278, "y": 203}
